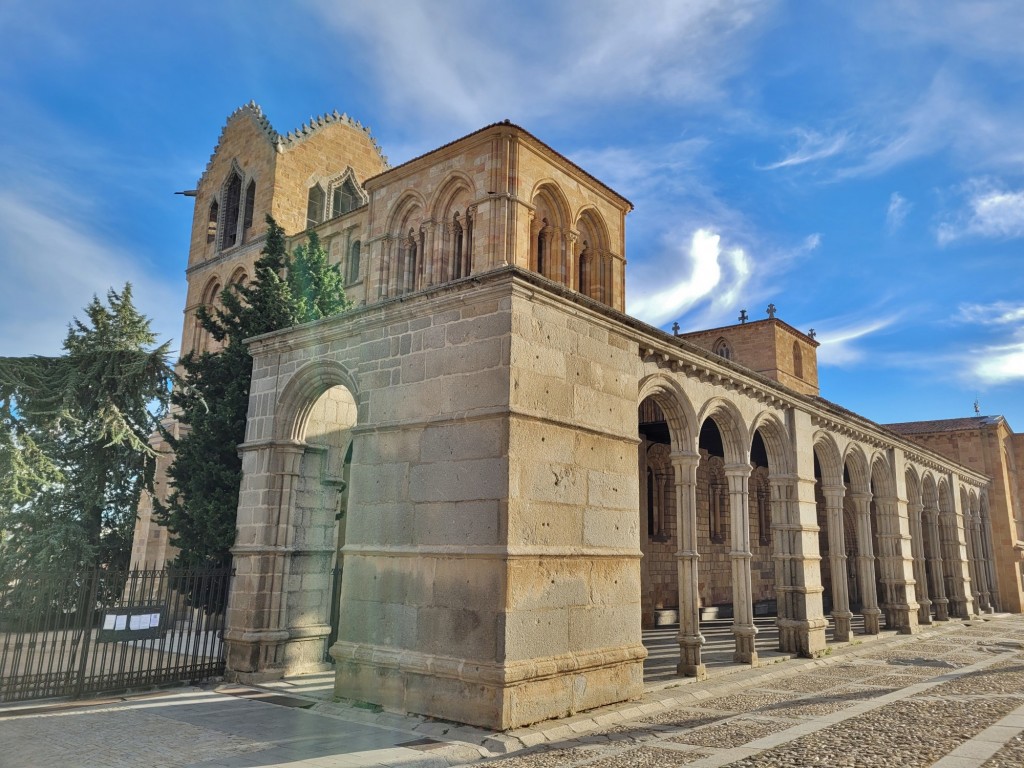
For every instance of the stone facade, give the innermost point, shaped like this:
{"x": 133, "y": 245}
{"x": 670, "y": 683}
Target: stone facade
{"x": 514, "y": 477}
{"x": 988, "y": 445}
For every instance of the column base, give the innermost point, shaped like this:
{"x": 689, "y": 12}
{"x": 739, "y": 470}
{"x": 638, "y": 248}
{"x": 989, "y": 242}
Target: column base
{"x": 843, "y": 631}
{"x": 872, "y": 621}
{"x": 689, "y": 657}
{"x": 745, "y": 652}
{"x": 942, "y": 610}
{"x": 924, "y": 612}
{"x": 804, "y": 638}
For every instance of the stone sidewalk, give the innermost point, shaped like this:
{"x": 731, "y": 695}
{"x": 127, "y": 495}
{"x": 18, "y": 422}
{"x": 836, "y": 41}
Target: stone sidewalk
{"x": 950, "y": 697}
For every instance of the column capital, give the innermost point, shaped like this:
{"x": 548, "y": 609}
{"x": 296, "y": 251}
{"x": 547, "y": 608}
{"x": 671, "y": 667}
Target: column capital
{"x": 738, "y": 470}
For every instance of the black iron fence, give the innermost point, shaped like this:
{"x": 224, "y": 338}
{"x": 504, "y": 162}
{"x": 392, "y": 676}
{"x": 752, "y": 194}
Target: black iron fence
{"x": 85, "y": 632}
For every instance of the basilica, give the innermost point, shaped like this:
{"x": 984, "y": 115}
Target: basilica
{"x": 474, "y": 492}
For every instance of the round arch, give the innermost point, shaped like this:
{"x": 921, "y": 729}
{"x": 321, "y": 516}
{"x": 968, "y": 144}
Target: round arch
{"x": 676, "y": 406}
{"x": 591, "y": 226}
{"x": 776, "y": 442}
{"x": 403, "y": 210}
{"x": 301, "y": 392}
{"x": 829, "y": 459}
{"x": 882, "y": 477}
{"x": 547, "y": 197}
{"x": 856, "y": 463}
{"x": 735, "y": 437}
{"x": 455, "y": 185}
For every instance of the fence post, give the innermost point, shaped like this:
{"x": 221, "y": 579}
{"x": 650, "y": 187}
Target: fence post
{"x": 87, "y": 619}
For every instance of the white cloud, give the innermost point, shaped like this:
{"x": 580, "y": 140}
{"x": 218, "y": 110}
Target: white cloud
{"x": 1000, "y": 364}
{"x": 838, "y": 345}
{"x": 707, "y": 267}
{"x": 811, "y": 146}
{"x": 453, "y": 61}
{"x": 53, "y": 267}
{"x": 996, "y": 313}
{"x": 990, "y": 212}
{"x": 897, "y": 212}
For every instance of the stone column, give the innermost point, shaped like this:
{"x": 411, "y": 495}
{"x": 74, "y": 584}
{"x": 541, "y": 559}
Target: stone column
{"x": 979, "y": 565}
{"x": 924, "y": 611}
{"x": 986, "y": 543}
{"x": 572, "y": 268}
{"x": 866, "y": 562}
{"x": 743, "y": 628}
{"x": 841, "y": 614}
{"x": 897, "y": 563}
{"x": 959, "y": 589}
{"x": 933, "y": 543}
{"x": 257, "y": 621}
{"x": 801, "y": 618}
{"x": 684, "y": 467}
{"x": 431, "y": 252}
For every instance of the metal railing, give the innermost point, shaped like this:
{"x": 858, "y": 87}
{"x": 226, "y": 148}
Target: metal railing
{"x": 77, "y": 633}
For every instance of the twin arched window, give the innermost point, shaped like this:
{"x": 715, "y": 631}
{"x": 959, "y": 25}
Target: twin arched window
{"x": 722, "y": 349}
{"x": 235, "y": 209}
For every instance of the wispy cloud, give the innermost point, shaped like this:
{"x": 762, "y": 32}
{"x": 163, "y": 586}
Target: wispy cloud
{"x": 707, "y": 267}
{"x": 996, "y": 313}
{"x": 839, "y": 345}
{"x": 990, "y": 211}
{"x": 811, "y": 146}
{"x": 53, "y": 266}
{"x": 897, "y": 212}
{"x": 545, "y": 59}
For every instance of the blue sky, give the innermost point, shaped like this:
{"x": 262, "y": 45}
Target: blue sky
{"x": 861, "y": 165}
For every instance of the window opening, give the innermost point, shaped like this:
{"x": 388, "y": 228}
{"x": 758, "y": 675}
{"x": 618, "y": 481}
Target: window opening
{"x": 345, "y": 198}
{"x": 798, "y": 361}
{"x": 722, "y": 349}
{"x": 353, "y": 262}
{"x": 315, "y": 206}
{"x": 250, "y": 205}
{"x": 231, "y": 205}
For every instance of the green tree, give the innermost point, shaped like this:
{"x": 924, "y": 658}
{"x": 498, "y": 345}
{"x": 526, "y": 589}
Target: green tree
{"x": 207, "y": 471}
{"x": 74, "y": 430}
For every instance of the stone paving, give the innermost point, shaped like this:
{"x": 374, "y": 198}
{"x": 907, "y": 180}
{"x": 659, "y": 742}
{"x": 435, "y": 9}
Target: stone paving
{"x": 951, "y": 697}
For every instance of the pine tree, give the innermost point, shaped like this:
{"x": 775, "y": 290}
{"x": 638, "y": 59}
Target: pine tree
{"x": 74, "y": 429}
{"x": 207, "y": 471}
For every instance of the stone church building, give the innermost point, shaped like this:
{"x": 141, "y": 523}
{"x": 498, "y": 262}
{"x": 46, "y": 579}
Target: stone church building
{"x": 518, "y": 478}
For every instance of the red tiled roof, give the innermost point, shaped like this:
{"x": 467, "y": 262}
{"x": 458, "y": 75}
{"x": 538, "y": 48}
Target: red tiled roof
{"x": 943, "y": 425}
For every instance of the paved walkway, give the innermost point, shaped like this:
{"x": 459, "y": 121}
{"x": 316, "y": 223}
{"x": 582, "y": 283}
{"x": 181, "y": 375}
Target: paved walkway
{"x": 951, "y": 697}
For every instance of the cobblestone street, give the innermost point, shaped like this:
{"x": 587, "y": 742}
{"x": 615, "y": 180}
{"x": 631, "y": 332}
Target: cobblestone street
{"x": 951, "y": 697}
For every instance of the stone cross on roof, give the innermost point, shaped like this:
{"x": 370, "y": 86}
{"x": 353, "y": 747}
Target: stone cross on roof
{"x": 812, "y": 333}
{"x": 771, "y": 310}
{"x": 675, "y": 329}
{"x": 743, "y": 317}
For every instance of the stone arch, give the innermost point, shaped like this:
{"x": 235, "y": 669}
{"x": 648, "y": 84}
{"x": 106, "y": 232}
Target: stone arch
{"x": 231, "y": 210}
{"x": 402, "y": 265}
{"x": 829, "y": 458}
{"x": 883, "y": 478}
{"x": 549, "y": 232}
{"x": 722, "y": 348}
{"x": 594, "y": 264}
{"x": 913, "y": 485}
{"x": 735, "y": 437}
{"x": 345, "y": 193}
{"x": 239, "y": 277}
{"x": 679, "y": 413}
{"x": 457, "y": 192}
{"x": 855, "y": 463}
{"x": 776, "y": 442}
{"x": 451, "y": 211}
{"x": 301, "y": 392}
{"x": 547, "y": 198}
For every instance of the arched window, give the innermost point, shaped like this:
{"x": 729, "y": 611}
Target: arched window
{"x": 250, "y": 206}
{"x": 315, "y": 206}
{"x": 798, "y": 361}
{"x": 232, "y": 202}
{"x": 353, "y": 262}
{"x": 345, "y": 198}
{"x": 211, "y": 222}
{"x": 722, "y": 349}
